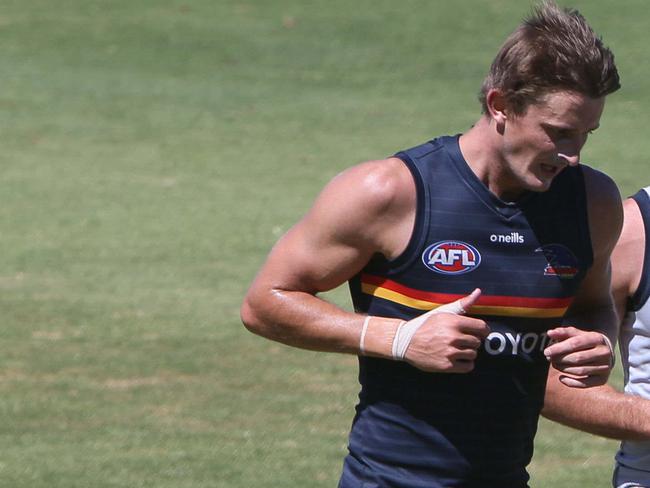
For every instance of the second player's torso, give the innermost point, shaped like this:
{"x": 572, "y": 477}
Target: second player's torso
{"x": 635, "y": 344}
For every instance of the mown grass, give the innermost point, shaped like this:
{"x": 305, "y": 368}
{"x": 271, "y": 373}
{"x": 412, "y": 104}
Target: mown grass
{"x": 153, "y": 151}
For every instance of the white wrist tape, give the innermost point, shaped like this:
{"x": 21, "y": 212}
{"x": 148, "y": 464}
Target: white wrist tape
{"x": 406, "y": 330}
{"x": 612, "y": 354}
{"x": 362, "y": 348}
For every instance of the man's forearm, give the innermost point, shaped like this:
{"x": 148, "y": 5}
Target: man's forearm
{"x": 301, "y": 320}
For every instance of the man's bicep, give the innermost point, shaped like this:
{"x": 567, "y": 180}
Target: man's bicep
{"x": 347, "y": 224}
{"x": 595, "y": 289}
{"x": 366, "y": 210}
{"x": 311, "y": 258}
{"x": 593, "y": 306}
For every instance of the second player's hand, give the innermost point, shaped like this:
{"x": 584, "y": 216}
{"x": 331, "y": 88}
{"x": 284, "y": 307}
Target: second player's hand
{"x": 448, "y": 342}
{"x": 582, "y": 357}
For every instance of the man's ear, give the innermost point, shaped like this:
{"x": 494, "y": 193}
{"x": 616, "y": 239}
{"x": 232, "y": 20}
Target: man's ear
{"x": 496, "y": 105}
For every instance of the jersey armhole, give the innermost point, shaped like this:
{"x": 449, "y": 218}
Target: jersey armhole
{"x": 643, "y": 291}
{"x": 585, "y": 229}
{"x": 421, "y": 217}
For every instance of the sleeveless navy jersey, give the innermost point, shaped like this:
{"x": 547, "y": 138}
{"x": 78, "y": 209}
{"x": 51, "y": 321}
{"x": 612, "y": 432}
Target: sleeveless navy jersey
{"x": 416, "y": 429}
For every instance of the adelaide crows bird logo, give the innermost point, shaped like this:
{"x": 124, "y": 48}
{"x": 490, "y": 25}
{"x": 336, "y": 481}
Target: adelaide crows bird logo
{"x": 561, "y": 262}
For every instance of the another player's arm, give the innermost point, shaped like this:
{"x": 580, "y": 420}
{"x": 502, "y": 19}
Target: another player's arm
{"x": 603, "y": 410}
{"x": 580, "y": 354}
{"x": 600, "y": 410}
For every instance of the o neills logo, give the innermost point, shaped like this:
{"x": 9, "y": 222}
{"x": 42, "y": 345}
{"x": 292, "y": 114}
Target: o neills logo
{"x": 512, "y": 238}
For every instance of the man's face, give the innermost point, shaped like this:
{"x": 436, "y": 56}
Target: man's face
{"x": 548, "y": 137}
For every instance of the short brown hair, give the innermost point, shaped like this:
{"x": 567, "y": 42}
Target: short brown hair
{"x": 553, "y": 49}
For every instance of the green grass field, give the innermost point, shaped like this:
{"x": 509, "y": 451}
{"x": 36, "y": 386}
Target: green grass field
{"x": 152, "y": 153}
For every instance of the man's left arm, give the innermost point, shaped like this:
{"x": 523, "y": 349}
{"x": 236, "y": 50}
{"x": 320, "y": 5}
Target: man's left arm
{"x": 582, "y": 349}
{"x": 603, "y": 410}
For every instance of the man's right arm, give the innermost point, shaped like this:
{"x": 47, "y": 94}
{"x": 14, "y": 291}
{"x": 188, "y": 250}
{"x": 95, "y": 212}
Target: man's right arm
{"x": 330, "y": 244}
{"x": 367, "y": 210}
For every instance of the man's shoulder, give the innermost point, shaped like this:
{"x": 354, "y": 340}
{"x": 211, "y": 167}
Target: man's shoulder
{"x": 605, "y": 209}
{"x": 603, "y": 196}
{"x": 600, "y": 186}
{"x": 368, "y": 206}
{"x": 381, "y": 184}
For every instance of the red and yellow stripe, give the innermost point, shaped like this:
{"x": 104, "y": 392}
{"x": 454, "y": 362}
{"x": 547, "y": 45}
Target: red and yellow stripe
{"x": 505, "y": 306}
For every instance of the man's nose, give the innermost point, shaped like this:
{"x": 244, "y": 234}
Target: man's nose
{"x": 569, "y": 149}
{"x": 571, "y": 159}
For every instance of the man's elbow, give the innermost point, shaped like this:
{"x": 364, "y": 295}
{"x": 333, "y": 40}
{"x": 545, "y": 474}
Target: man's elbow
{"x": 554, "y": 396}
{"x": 250, "y": 317}
{"x": 267, "y": 312}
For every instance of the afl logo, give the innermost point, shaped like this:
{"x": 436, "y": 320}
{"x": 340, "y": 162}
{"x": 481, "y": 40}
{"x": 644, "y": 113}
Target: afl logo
{"x": 451, "y": 257}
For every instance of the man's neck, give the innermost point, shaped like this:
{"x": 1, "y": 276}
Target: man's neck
{"x": 480, "y": 146}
